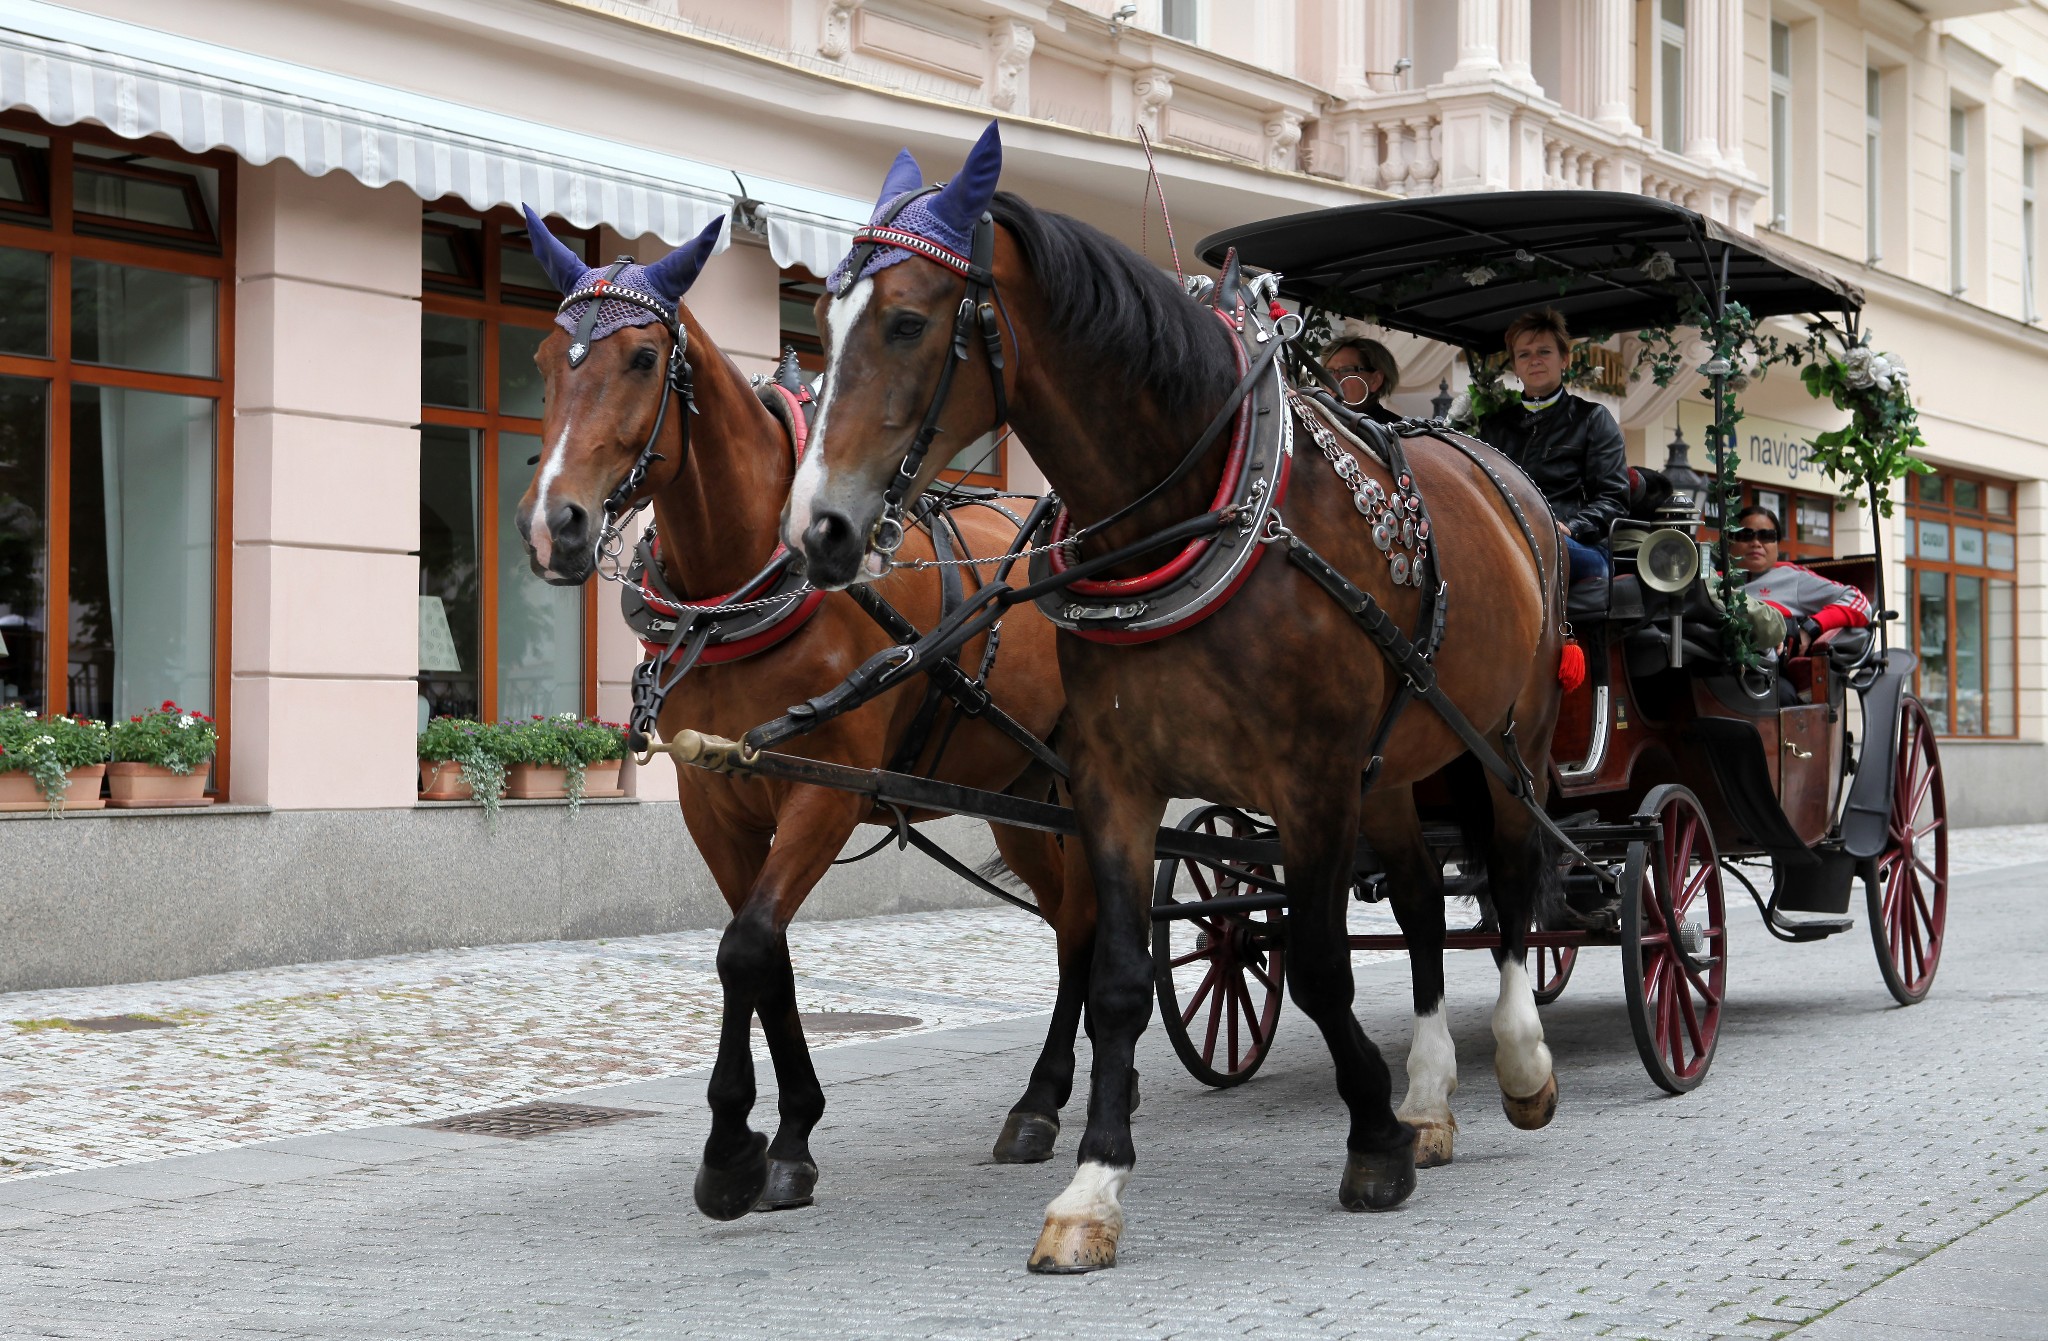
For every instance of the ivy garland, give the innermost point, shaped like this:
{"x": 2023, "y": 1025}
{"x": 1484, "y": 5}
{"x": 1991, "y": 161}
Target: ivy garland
{"x": 1875, "y": 447}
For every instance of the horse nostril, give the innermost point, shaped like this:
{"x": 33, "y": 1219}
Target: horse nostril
{"x": 569, "y": 523}
{"x": 827, "y": 533}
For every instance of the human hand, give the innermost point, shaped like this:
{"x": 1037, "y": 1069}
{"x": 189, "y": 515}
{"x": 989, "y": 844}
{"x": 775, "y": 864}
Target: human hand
{"x": 1564, "y": 530}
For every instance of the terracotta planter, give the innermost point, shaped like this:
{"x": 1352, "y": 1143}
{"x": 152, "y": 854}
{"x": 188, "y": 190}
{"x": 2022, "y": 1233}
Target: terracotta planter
{"x": 152, "y": 786}
{"x": 536, "y": 782}
{"x": 441, "y": 780}
{"x": 603, "y": 779}
{"x": 18, "y": 790}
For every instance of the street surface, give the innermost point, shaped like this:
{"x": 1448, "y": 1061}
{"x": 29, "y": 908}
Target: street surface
{"x": 1838, "y": 1142}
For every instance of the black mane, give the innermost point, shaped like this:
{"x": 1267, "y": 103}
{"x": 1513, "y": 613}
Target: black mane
{"x": 1115, "y": 310}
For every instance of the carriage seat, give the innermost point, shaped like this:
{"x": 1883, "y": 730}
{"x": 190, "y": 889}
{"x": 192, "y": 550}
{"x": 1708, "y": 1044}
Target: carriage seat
{"x": 1588, "y": 600}
{"x": 1846, "y": 648}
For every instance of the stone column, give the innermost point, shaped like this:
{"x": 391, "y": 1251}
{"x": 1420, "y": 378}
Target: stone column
{"x": 1514, "y": 45}
{"x": 1344, "y": 51}
{"x": 1478, "y": 42}
{"x": 327, "y": 493}
{"x": 1702, "y": 79}
{"x": 1733, "y": 25}
{"x": 1385, "y": 42}
{"x": 1613, "y": 31}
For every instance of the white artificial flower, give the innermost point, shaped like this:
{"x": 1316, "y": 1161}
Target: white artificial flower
{"x": 46, "y": 740}
{"x": 1461, "y": 408}
{"x": 1858, "y": 368}
{"x": 1478, "y": 275}
{"x": 1660, "y": 266}
{"x": 185, "y": 720}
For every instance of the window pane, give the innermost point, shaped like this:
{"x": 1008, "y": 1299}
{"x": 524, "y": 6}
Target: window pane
{"x": 1671, "y": 78}
{"x": 451, "y": 361}
{"x": 25, "y": 315}
{"x": 24, "y": 497}
{"x": 1969, "y": 656}
{"x": 1970, "y": 546}
{"x": 1178, "y": 19}
{"x": 1998, "y": 550}
{"x": 1781, "y": 50}
{"x": 160, "y": 193}
{"x": 522, "y": 269}
{"x": 2000, "y": 705}
{"x": 142, "y": 494}
{"x": 1817, "y": 522}
{"x": 1933, "y": 621}
{"x": 451, "y": 598}
{"x": 540, "y": 627}
{"x": 519, "y": 381}
{"x": 127, "y": 317}
{"x": 1927, "y": 488}
{"x": 1933, "y": 543}
{"x": 1965, "y": 494}
{"x": 1673, "y": 12}
{"x": 1998, "y": 500}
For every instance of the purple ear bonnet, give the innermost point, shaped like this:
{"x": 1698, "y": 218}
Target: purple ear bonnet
{"x": 668, "y": 279}
{"x": 947, "y": 216}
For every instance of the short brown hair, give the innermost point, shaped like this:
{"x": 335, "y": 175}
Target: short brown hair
{"x": 1542, "y": 321}
{"x": 1376, "y": 357}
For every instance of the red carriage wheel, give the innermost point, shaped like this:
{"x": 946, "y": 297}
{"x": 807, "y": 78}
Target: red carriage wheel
{"x": 1674, "y": 941}
{"x": 1907, "y": 890}
{"x": 1552, "y": 970}
{"x": 1220, "y": 979}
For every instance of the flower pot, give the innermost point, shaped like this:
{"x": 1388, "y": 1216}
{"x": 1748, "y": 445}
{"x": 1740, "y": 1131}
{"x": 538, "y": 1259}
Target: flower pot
{"x": 536, "y": 782}
{"x": 18, "y": 790}
{"x": 441, "y": 780}
{"x": 152, "y": 786}
{"x": 602, "y": 779}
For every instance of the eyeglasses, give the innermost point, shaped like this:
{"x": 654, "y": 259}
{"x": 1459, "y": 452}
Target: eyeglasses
{"x": 1744, "y": 534}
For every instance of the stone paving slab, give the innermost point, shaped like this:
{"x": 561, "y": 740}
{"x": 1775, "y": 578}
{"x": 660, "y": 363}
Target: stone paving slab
{"x": 1838, "y": 1140}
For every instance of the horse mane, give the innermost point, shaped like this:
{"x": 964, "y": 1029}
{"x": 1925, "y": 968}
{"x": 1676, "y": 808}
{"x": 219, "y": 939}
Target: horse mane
{"x": 1111, "y": 308}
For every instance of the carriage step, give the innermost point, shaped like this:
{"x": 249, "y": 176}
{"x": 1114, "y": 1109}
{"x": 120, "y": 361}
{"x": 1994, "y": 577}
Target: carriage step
{"x": 1809, "y": 928}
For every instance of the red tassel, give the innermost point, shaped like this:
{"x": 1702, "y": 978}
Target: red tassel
{"x": 1571, "y": 667}
{"x": 1275, "y": 311}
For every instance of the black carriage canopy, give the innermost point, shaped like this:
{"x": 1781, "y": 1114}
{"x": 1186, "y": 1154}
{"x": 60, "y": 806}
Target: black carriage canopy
{"x": 1460, "y": 268}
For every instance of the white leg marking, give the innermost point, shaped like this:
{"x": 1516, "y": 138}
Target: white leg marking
{"x": 537, "y": 523}
{"x": 1432, "y": 1070}
{"x": 1520, "y": 1059}
{"x": 1092, "y": 1197}
{"x": 840, "y": 318}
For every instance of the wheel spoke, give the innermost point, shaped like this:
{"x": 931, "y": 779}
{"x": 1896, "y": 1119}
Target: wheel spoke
{"x": 1215, "y": 1018}
{"x": 1260, "y": 974}
{"x": 1692, "y": 1023}
{"x": 1692, "y": 975}
{"x": 1195, "y": 1001}
{"x": 1199, "y": 952}
{"x": 1230, "y": 990}
{"x": 1200, "y": 875}
{"x": 1692, "y": 889}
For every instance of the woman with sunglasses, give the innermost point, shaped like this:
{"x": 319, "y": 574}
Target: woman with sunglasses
{"x": 1811, "y": 604}
{"x": 1363, "y": 371}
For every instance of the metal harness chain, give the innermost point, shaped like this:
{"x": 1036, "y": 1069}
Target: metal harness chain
{"x": 1394, "y": 520}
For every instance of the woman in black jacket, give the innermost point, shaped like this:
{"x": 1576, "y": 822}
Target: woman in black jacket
{"x": 1569, "y": 446}
{"x": 1363, "y": 370}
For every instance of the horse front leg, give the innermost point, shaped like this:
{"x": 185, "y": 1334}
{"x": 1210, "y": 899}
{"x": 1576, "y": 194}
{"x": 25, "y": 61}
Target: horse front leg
{"x": 1521, "y": 869}
{"x": 1415, "y": 888}
{"x": 1033, "y": 1125}
{"x": 1119, "y": 818}
{"x": 1317, "y": 841}
{"x": 741, "y": 1168}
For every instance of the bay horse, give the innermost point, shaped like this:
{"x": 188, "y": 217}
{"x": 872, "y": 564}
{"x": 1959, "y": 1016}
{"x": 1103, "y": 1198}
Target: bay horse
{"x": 1269, "y": 702}
{"x": 716, "y": 486}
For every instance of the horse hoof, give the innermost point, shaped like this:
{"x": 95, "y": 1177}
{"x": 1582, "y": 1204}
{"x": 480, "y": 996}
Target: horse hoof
{"x": 727, "y": 1192}
{"x": 1377, "y": 1180}
{"x": 1027, "y": 1139}
{"x": 1069, "y": 1247}
{"x": 1433, "y": 1142}
{"x": 790, "y": 1183}
{"x": 1534, "y": 1112}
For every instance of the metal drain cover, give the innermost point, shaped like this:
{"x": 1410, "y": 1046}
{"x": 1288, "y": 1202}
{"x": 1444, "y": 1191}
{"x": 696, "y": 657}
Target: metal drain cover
{"x": 528, "y": 1120}
{"x": 119, "y": 1024}
{"x": 855, "y": 1021}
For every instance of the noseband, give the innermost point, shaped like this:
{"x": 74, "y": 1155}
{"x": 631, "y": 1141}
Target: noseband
{"x": 597, "y": 289}
{"x": 977, "y": 308}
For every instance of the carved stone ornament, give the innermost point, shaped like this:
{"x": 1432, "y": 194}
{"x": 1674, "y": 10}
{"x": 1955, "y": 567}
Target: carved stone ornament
{"x": 1010, "y": 42}
{"x": 1150, "y": 91}
{"x": 1283, "y": 134}
{"x": 835, "y": 37}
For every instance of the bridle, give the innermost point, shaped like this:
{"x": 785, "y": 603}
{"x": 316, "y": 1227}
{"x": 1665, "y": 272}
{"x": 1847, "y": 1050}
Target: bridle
{"x": 977, "y": 309}
{"x": 596, "y": 289}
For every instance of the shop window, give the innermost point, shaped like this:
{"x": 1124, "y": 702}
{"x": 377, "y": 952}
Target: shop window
{"x": 495, "y": 641}
{"x": 114, "y": 443}
{"x": 1962, "y": 557}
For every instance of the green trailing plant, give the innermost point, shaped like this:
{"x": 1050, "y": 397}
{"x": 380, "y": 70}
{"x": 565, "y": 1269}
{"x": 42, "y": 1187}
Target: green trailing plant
{"x": 168, "y": 736}
{"x": 478, "y": 752}
{"x": 1875, "y": 447}
{"x": 48, "y": 748}
{"x": 550, "y": 742}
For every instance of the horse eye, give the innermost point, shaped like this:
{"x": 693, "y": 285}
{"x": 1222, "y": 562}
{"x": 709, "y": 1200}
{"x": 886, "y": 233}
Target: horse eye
{"x": 905, "y": 329}
{"x": 643, "y": 359}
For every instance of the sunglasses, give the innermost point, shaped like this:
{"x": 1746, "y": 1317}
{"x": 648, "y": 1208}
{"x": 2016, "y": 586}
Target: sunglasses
{"x": 1743, "y": 534}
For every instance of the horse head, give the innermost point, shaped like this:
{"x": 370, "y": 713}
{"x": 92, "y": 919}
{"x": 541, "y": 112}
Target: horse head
{"x": 889, "y": 320}
{"x": 607, "y": 381}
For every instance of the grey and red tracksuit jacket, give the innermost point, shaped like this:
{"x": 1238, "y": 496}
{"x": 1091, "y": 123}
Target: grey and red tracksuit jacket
{"x": 1796, "y": 593}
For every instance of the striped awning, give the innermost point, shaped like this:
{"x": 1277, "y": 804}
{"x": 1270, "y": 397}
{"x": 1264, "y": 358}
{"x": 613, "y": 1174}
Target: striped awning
{"x": 797, "y": 238}
{"x": 69, "y": 67}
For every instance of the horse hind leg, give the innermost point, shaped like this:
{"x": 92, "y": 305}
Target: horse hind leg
{"x": 1522, "y": 869}
{"x": 1033, "y": 1126}
{"x": 1414, "y": 886}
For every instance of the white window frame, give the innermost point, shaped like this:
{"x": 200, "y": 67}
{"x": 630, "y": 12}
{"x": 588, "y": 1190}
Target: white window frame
{"x": 2030, "y": 234}
{"x": 1781, "y": 123}
{"x": 1873, "y": 163}
{"x": 1670, "y": 104}
{"x": 1958, "y": 200}
{"x": 1190, "y": 10}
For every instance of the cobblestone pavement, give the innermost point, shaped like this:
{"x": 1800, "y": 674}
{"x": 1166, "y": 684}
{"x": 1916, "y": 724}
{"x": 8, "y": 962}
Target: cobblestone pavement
{"x": 324, "y": 1047}
{"x": 1838, "y": 1140}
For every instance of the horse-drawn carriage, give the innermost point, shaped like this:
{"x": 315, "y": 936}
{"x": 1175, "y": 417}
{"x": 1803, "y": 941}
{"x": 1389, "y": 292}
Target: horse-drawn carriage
{"x": 1211, "y": 647}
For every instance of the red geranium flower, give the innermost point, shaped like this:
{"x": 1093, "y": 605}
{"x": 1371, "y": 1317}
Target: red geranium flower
{"x": 168, "y": 706}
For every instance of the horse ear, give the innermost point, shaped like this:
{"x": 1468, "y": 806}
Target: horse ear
{"x": 904, "y": 176}
{"x": 560, "y": 263}
{"x": 965, "y": 197}
{"x": 673, "y": 274}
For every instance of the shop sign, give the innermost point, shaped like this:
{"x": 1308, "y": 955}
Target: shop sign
{"x": 1772, "y": 451}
